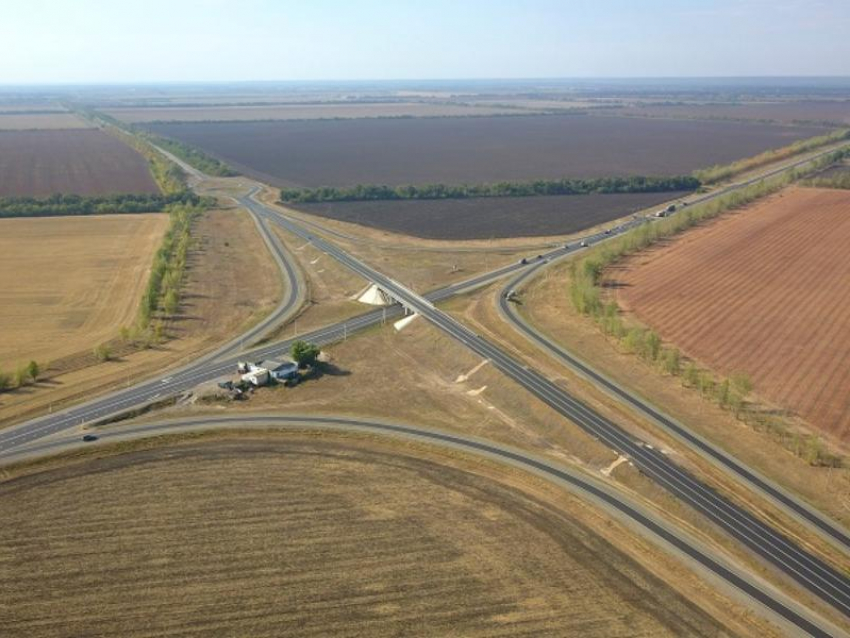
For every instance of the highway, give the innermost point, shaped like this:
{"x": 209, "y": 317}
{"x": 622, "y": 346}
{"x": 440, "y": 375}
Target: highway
{"x": 640, "y": 519}
{"x": 794, "y": 506}
{"x": 807, "y": 570}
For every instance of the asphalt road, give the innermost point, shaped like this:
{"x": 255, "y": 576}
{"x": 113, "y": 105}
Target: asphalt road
{"x": 791, "y": 504}
{"x": 642, "y": 520}
{"x": 804, "y": 568}
{"x": 807, "y": 570}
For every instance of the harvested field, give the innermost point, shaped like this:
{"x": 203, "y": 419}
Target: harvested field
{"x": 493, "y": 217}
{"x": 300, "y": 112}
{"x": 762, "y": 291}
{"x": 312, "y": 536}
{"x": 228, "y": 287}
{"x": 71, "y": 161}
{"x": 480, "y": 149}
{"x": 835, "y": 112}
{"x": 69, "y": 283}
{"x": 11, "y": 121}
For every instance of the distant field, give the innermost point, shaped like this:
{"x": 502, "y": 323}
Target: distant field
{"x": 491, "y": 217}
{"x": 299, "y": 112}
{"x": 458, "y": 150}
{"x": 69, "y": 283}
{"x": 764, "y": 291}
{"x": 80, "y": 162}
{"x": 310, "y": 537}
{"x": 49, "y": 121}
{"x": 837, "y": 112}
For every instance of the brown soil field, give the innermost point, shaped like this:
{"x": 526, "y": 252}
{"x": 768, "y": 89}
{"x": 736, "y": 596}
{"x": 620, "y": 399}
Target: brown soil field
{"x": 71, "y": 161}
{"x": 490, "y": 217}
{"x": 314, "y": 536}
{"x": 835, "y": 112}
{"x": 69, "y": 283}
{"x": 762, "y": 291}
{"x": 11, "y": 121}
{"x": 477, "y": 149}
{"x": 229, "y": 286}
{"x": 300, "y": 112}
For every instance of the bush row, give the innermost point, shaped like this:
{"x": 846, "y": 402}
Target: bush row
{"x": 371, "y": 192}
{"x": 719, "y": 173}
{"x": 586, "y": 297}
{"x": 66, "y": 205}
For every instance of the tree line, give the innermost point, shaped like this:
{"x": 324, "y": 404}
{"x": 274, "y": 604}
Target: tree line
{"x": 729, "y": 393}
{"x": 376, "y": 192}
{"x": 65, "y": 205}
{"x": 189, "y": 154}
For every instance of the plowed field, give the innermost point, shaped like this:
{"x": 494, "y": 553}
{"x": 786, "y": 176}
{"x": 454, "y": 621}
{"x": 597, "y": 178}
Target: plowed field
{"x": 311, "y": 538}
{"x": 455, "y": 150}
{"x": 765, "y": 291}
{"x": 71, "y": 161}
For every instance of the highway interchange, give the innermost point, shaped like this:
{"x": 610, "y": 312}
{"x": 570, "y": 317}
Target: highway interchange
{"x": 801, "y": 566}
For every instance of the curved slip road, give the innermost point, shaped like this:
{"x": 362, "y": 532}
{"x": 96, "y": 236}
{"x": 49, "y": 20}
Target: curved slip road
{"x": 646, "y": 522}
{"x": 806, "y": 569}
{"x": 792, "y": 505}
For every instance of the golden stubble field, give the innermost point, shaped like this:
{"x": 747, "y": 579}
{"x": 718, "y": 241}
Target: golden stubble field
{"x": 70, "y": 283}
{"x": 311, "y": 536}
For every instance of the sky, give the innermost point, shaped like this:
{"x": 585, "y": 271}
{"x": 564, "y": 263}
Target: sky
{"x": 107, "y": 41}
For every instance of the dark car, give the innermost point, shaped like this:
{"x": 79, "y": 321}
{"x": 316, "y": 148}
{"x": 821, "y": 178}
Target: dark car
{"x": 88, "y": 438}
{"x": 523, "y": 261}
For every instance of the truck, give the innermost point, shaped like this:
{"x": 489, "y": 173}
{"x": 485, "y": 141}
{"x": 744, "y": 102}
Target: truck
{"x": 258, "y": 377}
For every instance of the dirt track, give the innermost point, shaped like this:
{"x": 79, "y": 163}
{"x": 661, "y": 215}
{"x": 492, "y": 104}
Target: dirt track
{"x": 763, "y": 291}
{"x": 310, "y": 537}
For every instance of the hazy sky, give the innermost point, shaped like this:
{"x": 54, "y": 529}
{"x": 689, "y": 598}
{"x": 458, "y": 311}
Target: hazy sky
{"x": 173, "y": 40}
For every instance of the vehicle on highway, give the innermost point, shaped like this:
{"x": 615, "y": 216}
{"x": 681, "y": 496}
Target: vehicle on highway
{"x": 523, "y": 261}
{"x": 583, "y": 244}
{"x": 88, "y": 438}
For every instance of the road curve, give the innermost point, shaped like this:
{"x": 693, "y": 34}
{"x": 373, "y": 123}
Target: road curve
{"x": 806, "y": 569}
{"x": 576, "y": 481}
{"x": 799, "y": 510}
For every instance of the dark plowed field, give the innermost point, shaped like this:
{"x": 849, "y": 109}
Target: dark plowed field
{"x": 80, "y": 162}
{"x": 481, "y": 149}
{"x": 835, "y": 112}
{"x": 489, "y": 217}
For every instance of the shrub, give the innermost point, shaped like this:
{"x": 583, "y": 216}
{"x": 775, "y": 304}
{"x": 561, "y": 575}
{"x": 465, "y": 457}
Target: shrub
{"x": 103, "y": 352}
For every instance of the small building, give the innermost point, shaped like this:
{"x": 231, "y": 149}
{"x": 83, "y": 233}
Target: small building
{"x": 281, "y": 370}
{"x": 257, "y": 377}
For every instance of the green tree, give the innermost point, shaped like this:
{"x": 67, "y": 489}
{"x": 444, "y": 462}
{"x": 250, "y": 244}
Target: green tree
{"x": 21, "y": 376}
{"x": 652, "y": 345}
{"x": 103, "y": 352}
{"x": 633, "y": 341}
{"x": 33, "y": 370}
{"x": 742, "y": 383}
{"x": 692, "y": 376}
{"x": 171, "y": 302}
{"x": 304, "y": 354}
{"x": 671, "y": 361}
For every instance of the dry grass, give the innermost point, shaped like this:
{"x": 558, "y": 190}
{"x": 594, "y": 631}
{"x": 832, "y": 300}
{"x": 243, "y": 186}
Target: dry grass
{"x": 231, "y": 284}
{"x": 69, "y": 283}
{"x": 317, "y": 536}
{"x": 547, "y": 306}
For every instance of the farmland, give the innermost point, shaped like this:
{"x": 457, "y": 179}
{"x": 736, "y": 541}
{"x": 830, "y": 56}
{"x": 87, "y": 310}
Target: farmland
{"x": 489, "y": 217}
{"x": 762, "y": 291}
{"x": 472, "y": 150}
{"x": 833, "y": 112}
{"x": 264, "y": 535}
{"x": 316, "y": 111}
{"x": 70, "y": 161}
{"x": 69, "y": 283}
{"x": 13, "y": 121}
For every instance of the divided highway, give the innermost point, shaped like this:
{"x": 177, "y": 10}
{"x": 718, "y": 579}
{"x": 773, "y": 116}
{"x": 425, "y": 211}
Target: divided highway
{"x": 794, "y": 506}
{"x": 625, "y": 509}
{"x": 804, "y": 568}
